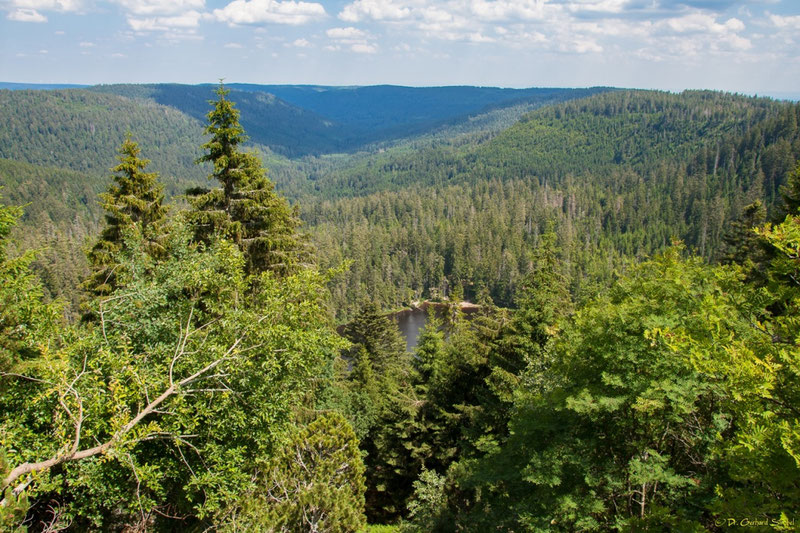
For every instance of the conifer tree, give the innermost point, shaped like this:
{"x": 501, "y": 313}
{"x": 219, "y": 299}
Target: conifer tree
{"x": 791, "y": 192}
{"x": 133, "y": 202}
{"x": 245, "y": 207}
{"x": 314, "y": 483}
{"x": 743, "y": 246}
{"x": 379, "y": 337}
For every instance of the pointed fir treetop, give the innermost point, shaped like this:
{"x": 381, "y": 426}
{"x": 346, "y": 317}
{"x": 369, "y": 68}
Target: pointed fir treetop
{"x": 222, "y": 149}
{"x": 790, "y": 192}
{"x": 137, "y": 197}
{"x": 133, "y": 203}
{"x": 245, "y": 208}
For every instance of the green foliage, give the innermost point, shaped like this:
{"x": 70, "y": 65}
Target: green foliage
{"x": 617, "y": 175}
{"x": 167, "y": 405}
{"x": 428, "y": 503}
{"x": 314, "y": 483}
{"x": 245, "y": 208}
{"x": 619, "y": 430}
{"x": 79, "y": 130}
{"x": 26, "y": 324}
{"x": 25, "y": 320}
{"x": 741, "y": 242}
{"x": 134, "y": 203}
{"x": 790, "y": 192}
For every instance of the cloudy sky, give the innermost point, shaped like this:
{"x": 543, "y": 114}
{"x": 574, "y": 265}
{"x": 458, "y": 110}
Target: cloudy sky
{"x": 749, "y": 46}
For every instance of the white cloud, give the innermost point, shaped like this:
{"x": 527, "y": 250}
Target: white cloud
{"x": 86, "y": 44}
{"x": 48, "y": 5}
{"x": 301, "y": 43}
{"x": 509, "y": 10}
{"x": 26, "y": 15}
{"x": 160, "y": 7}
{"x": 364, "y": 48}
{"x": 346, "y": 33}
{"x": 609, "y": 7}
{"x": 701, "y": 22}
{"x": 269, "y": 11}
{"x": 376, "y": 10}
{"x": 190, "y": 19}
{"x": 787, "y": 22}
{"x": 232, "y": 45}
{"x": 354, "y": 39}
{"x": 582, "y": 46}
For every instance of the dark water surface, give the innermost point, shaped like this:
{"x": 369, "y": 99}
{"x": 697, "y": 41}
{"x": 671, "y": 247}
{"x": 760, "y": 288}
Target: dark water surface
{"x": 412, "y": 321}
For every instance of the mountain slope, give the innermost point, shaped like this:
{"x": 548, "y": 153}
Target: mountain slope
{"x": 269, "y": 121}
{"x": 81, "y": 131}
{"x": 614, "y": 176}
{"x": 596, "y": 135}
{"x": 396, "y": 108}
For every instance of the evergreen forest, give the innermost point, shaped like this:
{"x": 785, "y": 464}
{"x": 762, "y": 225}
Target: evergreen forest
{"x": 196, "y": 329}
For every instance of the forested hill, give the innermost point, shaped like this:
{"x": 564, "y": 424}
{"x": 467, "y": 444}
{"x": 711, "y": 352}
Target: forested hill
{"x": 597, "y": 135}
{"x": 396, "y": 109}
{"x": 610, "y": 379}
{"x": 81, "y": 130}
{"x": 300, "y": 120}
{"x": 270, "y": 121}
{"x": 616, "y": 176}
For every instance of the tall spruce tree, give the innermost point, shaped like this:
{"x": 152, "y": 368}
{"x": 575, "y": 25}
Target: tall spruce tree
{"x": 133, "y": 203}
{"x": 245, "y": 208}
{"x": 790, "y": 192}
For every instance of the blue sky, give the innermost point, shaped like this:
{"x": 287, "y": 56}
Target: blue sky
{"x": 749, "y": 46}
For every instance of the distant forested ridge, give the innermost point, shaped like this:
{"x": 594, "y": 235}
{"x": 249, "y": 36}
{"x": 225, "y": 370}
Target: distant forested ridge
{"x": 616, "y": 175}
{"x": 301, "y": 120}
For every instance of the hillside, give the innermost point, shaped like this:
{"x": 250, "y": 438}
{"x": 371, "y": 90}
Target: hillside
{"x": 615, "y": 176}
{"x": 311, "y": 120}
{"x": 599, "y": 343}
{"x": 629, "y": 129}
{"x": 382, "y": 109}
{"x": 81, "y": 130}
{"x": 270, "y": 121}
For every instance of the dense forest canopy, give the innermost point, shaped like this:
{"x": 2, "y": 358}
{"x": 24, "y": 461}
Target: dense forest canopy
{"x": 633, "y": 365}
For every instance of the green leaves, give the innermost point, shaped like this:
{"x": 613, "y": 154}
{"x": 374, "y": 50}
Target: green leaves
{"x": 315, "y": 482}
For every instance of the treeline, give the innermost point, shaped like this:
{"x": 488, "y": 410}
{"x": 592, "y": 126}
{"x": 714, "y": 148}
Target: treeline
{"x": 585, "y": 139}
{"x": 620, "y": 174}
{"x": 288, "y": 130}
{"x": 78, "y": 130}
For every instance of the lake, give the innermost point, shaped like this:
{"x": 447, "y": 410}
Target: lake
{"x": 412, "y": 321}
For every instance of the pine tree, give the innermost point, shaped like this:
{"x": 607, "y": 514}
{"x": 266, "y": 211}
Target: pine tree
{"x": 245, "y": 208}
{"x": 742, "y": 246}
{"x": 314, "y": 483}
{"x": 379, "y": 337}
{"x": 133, "y": 203}
{"x": 791, "y": 192}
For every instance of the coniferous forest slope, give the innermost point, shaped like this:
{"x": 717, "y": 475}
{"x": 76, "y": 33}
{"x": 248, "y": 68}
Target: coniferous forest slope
{"x": 617, "y": 175}
{"x": 192, "y": 378}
